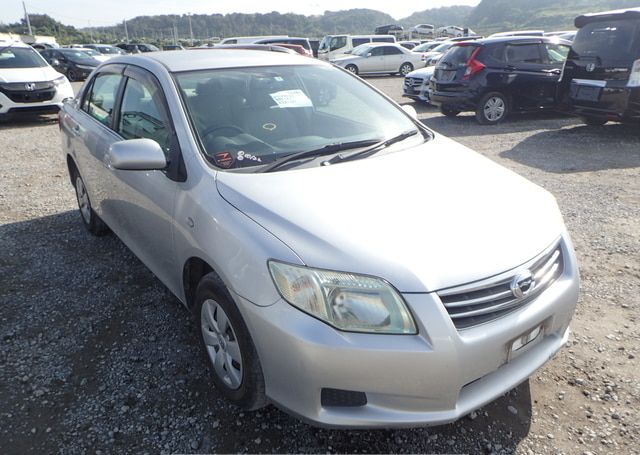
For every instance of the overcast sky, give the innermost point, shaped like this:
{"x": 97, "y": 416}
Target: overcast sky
{"x": 107, "y": 12}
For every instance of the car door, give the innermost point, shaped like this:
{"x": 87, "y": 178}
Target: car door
{"x": 90, "y": 133}
{"x": 374, "y": 61}
{"x": 393, "y": 58}
{"x": 527, "y": 73}
{"x": 143, "y": 201}
{"x": 555, "y": 56}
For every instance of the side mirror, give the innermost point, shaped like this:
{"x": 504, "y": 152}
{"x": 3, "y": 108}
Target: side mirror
{"x": 410, "y": 110}
{"x": 368, "y": 54}
{"x": 137, "y": 155}
{"x": 55, "y": 62}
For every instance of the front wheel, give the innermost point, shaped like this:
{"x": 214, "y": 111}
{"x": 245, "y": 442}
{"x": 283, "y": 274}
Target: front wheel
{"x": 492, "y": 109}
{"x": 594, "y": 121}
{"x": 352, "y": 69}
{"x": 90, "y": 219}
{"x": 406, "y": 68}
{"x": 235, "y": 367}
{"x": 71, "y": 75}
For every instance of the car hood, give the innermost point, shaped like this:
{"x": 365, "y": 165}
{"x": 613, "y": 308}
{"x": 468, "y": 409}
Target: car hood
{"x": 86, "y": 61}
{"x": 426, "y": 218}
{"x": 42, "y": 74}
{"x": 425, "y": 72}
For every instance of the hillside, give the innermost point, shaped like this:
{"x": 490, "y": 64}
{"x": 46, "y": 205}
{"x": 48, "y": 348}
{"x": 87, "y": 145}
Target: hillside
{"x": 446, "y": 15}
{"x": 497, "y": 15}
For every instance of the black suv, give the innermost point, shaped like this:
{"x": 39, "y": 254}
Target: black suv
{"x": 496, "y": 76}
{"x": 601, "y": 79}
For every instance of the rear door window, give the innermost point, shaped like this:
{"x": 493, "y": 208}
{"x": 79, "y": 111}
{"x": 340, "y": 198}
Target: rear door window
{"x": 613, "y": 40}
{"x": 383, "y": 39}
{"x": 523, "y": 53}
{"x": 390, "y": 50}
{"x": 358, "y": 41}
{"x": 102, "y": 98}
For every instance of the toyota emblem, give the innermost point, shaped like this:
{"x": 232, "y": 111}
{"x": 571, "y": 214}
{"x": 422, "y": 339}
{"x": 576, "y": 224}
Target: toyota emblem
{"x": 590, "y": 67}
{"x": 30, "y": 87}
{"x": 522, "y": 284}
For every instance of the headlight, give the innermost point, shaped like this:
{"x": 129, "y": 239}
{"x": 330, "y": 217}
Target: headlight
{"x": 86, "y": 67}
{"x": 59, "y": 81}
{"x": 346, "y": 301}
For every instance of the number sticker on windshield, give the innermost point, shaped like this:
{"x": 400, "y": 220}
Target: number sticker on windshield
{"x": 291, "y": 98}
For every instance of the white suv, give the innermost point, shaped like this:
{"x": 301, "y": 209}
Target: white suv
{"x": 28, "y": 83}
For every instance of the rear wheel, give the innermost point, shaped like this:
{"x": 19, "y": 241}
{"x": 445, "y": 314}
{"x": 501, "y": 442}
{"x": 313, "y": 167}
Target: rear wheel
{"x": 492, "y": 108}
{"x": 352, "y": 68}
{"x": 406, "y": 68}
{"x": 594, "y": 121}
{"x": 224, "y": 336}
{"x": 448, "y": 111}
{"x": 90, "y": 219}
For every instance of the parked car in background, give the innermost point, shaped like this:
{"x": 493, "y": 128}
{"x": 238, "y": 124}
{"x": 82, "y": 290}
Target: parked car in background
{"x": 416, "y": 84}
{"x": 431, "y": 57}
{"x": 315, "y": 44}
{"x": 380, "y": 58}
{"x": 333, "y": 46}
{"x": 424, "y": 29}
{"x": 137, "y": 48}
{"x": 28, "y": 84}
{"x": 409, "y": 44}
{"x": 95, "y": 54}
{"x": 601, "y": 79}
{"x": 304, "y": 42}
{"x": 76, "y": 64}
{"x": 172, "y": 47}
{"x": 42, "y": 46}
{"x": 497, "y": 76}
{"x": 105, "y": 49}
{"x": 454, "y": 31}
{"x": 294, "y": 47}
{"x": 258, "y": 189}
{"x": 518, "y": 33}
{"x": 391, "y": 29}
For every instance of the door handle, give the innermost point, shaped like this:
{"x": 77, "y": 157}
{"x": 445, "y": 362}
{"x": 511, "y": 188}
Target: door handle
{"x": 555, "y": 72}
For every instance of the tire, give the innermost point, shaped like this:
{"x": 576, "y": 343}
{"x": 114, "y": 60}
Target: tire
{"x": 90, "y": 219}
{"x": 448, "y": 111}
{"x": 405, "y": 68}
{"x": 492, "y": 108}
{"x": 71, "y": 75}
{"x": 228, "y": 347}
{"x": 352, "y": 68}
{"x": 594, "y": 121}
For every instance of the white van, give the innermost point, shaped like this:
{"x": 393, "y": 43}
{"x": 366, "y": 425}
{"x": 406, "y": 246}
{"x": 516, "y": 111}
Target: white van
{"x": 333, "y": 46}
{"x": 250, "y": 39}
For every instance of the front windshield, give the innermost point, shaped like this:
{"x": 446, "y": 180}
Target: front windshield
{"x": 324, "y": 44}
{"x": 361, "y": 50}
{"x": 441, "y": 48}
{"x": 424, "y": 47}
{"x": 76, "y": 55}
{"x": 247, "y": 117}
{"x": 20, "y": 57}
{"x": 91, "y": 52}
{"x": 109, "y": 50}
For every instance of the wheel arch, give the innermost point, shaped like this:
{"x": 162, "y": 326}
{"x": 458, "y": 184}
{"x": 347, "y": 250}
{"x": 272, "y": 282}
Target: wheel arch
{"x": 72, "y": 167}
{"x": 194, "y": 269}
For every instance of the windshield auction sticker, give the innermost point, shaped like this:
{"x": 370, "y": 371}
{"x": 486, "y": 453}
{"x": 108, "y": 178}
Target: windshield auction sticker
{"x": 291, "y": 98}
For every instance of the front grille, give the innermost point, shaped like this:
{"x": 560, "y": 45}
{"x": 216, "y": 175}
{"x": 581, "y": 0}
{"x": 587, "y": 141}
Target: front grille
{"x": 35, "y": 93}
{"x": 482, "y": 301}
{"x": 412, "y": 81}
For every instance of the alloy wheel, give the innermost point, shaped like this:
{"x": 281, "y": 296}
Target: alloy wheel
{"x": 221, "y": 343}
{"x": 494, "y": 108}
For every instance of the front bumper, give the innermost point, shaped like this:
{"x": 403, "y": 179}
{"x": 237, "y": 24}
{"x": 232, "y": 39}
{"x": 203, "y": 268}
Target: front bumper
{"x": 431, "y": 378}
{"x": 62, "y": 92}
{"x": 416, "y": 89}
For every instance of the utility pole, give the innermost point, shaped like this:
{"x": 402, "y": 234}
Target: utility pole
{"x": 175, "y": 33}
{"x": 126, "y": 32}
{"x": 90, "y": 31}
{"x": 190, "y": 28}
{"x": 26, "y": 16}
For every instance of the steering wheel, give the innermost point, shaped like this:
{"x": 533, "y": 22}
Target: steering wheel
{"x": 213, "y": 129}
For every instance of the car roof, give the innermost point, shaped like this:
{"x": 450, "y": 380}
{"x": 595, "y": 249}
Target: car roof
{"x": 519, "y": 40}
{"x": 216, "y": 58}
{"x": 628, "y": 13}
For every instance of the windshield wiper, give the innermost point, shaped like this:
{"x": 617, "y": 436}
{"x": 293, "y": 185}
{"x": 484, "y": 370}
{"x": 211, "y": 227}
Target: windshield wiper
{"x": 326, "y": 150}
{"x": 373, "y": 149}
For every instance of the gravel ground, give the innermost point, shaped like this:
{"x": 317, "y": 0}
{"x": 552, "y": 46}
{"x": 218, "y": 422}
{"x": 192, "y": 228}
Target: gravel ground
{"x": 95, "y": 356}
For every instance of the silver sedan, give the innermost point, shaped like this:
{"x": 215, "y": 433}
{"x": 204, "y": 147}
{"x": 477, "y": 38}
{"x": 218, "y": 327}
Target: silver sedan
{"x": 376, "y": 58}
{"x": 340, "y": 259}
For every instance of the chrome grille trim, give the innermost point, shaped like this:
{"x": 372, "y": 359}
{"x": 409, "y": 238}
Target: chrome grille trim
{"x": 482, "y": 301}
